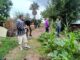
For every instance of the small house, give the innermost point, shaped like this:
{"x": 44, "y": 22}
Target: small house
{"x": 75, "y": 25}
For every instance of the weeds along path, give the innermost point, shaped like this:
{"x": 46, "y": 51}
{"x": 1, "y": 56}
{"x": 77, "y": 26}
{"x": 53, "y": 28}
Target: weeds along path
{"x": 30, "y": 54}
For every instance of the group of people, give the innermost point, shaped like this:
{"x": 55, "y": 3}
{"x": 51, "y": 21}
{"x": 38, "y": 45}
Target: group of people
{"x": 22, "y": 32}
{"x": 58, "y": 25}
{"x": 23, "y": 27}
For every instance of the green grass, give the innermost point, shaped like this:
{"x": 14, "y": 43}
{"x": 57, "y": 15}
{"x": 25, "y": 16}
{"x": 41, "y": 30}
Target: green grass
{"x": 6, "y": 44}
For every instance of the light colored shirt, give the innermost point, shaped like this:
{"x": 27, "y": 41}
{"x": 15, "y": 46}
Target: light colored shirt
{"x": 58, "y": 23}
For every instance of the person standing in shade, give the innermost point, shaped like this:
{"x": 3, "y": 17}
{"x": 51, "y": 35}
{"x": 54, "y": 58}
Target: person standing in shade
{"x": 21, "y": 34}
{"x": 28, "y": 30}
{"x": 58, "y": 25}
{"x": 46, "y": 25}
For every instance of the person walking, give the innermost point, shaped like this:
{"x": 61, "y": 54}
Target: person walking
{"x": 21, "y": 34}
{"x": 46, "y": 25}
{"x": 58, "y": 25}
{"x": 28, "y": 30}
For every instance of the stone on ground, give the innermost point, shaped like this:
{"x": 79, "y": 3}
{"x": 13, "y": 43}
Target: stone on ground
{"x": 3, "y": 32}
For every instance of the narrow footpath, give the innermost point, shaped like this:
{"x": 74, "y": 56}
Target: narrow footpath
{"x": 29, "y": 54}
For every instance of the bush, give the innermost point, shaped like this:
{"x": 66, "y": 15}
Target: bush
{"x": 60, "y": 49}
{"x": 77, "y": 35}
{"x": 44, "y": 37}
{"x": 6, "y": 45}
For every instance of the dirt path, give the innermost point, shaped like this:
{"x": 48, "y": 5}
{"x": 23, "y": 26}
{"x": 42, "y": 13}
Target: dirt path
{"x": 30, "y": 54}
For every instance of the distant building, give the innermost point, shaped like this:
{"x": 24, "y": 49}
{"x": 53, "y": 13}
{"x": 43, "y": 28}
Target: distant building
{"x": 75, "y": 25}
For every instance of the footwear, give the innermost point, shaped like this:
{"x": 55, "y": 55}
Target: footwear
{"x": 30, "y": 37}
{"x": 21, "y": 48}
{"x": 27, "y": 47}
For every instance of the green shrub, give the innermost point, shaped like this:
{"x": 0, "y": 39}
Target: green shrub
{"x": 6, "y": 45}
{"x": 61, "y": 49}
{"x": 44, "y": 37}
{"x": 77, "y": 35}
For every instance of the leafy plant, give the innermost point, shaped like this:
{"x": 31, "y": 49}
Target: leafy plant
{"x": 67, "y": 9}
{"x": 44, "y": 37}
{"x": 77, "y": 35}
{"x": 60, "y": 49}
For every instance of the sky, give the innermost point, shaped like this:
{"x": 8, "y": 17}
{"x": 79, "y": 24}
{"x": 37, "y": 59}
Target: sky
{"x": 23, "y": 6}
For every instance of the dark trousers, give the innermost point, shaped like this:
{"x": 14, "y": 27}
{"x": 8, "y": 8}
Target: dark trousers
{"x": 58, "y": 29}
{"x": 47, "y": 29}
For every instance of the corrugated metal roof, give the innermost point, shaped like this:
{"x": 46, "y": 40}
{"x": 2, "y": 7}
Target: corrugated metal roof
{"x": 77, "y": 22}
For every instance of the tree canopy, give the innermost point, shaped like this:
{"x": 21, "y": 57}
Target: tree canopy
{"x": 34, "y": 7}
{"x": 67, "y": 9}
{"x": 5, "y": 6}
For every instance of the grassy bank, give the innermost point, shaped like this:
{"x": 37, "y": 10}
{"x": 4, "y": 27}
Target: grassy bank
{"x": 6, "y": 44}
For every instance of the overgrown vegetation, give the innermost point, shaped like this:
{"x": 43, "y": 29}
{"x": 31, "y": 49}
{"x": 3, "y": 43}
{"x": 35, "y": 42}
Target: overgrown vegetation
{"x": 77, "y": 35}
{"x": 66, "y": 48}
{"x": 67, "y": 9}
{"x": 5, "y": 6}
{"x": 6, "y": 44}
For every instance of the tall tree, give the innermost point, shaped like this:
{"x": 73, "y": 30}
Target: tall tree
{"x": 34, "y": 7}
{"x": 67, "y": 9}
{"x": 5, "y": 6}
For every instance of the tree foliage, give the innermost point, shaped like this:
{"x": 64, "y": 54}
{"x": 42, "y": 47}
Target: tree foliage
{"x": 34, "y": 7}
{"x": 5, "y": 6}
{"x": 67, "y": 9}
